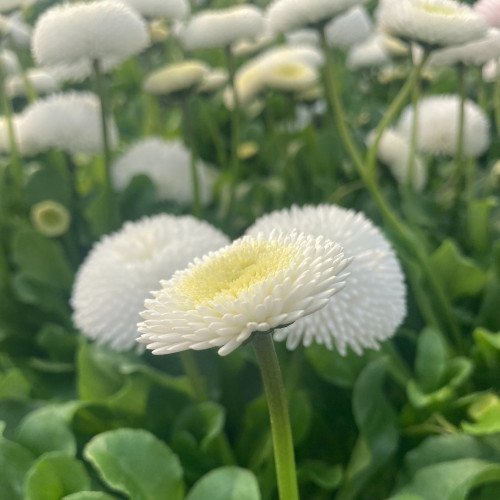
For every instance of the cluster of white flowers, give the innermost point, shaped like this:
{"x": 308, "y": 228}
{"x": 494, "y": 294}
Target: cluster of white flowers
{"x": 168, "y": 165}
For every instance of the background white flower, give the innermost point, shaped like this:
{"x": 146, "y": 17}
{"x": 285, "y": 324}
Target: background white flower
{"x": 70, "y": 122}
{"x": 433, "y": 22}
{"x": 349, "y": 29}
{"x": 438, "y": 125}
{"x": 42, "y": 82}
{"x": 222, "y": 27}
{"x": 490, "y": 10}
{"x": 168, "y": 165}
{"x": 367, "y": 54}
{"x": 121, "y": 270}
{"x": 171, "y": 9}
{"x": 372, "y": 304}
{"x": 286, "y": 15}
{"x": 253, "y": 285}
{"x": 69, "y": 37}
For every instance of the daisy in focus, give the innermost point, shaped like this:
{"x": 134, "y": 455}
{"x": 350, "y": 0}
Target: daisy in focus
{"x": 257, "y": 284}
{"x": 372, "y": 305}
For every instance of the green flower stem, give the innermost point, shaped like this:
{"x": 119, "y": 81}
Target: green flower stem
{"x": 112, "y": 209}
{"x": 216, "y": 135}
{"x": 17, "y": 167}
{"x": 497, "y": 97}
{"x": 415, "y": 97}
{"x": 459, "y": 155}
{"x": 278, "y": 412}
{"x": 235, "y": 128}
{"x": 201, "y": 396}
{"x": 482, "y": 94}
{"x": 412, "y": 248}
{"x": 188, "y": 128}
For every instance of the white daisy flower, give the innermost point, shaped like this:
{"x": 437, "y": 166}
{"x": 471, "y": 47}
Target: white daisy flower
{"x": 16, "y": 30}
{"x": 170, "y": 9}
{"x": 250, "y": 46}
{"x": 122, "y": 269}
{"x": 50, "y": 218}
{"x": 9, "y": 62}
{"x": 475, "y": 53}
{"x": 432, "y": 22}
{"x": 394, "y": 151}
{"x": 250, "y": 79}
{"x": 222, "y": 27}
{"x": 291, "y": 77}
{"x": 69, "y": 37}
{"x": 168, "y": 165}
{"x": 70, "y": 122}
{"x": 349, "y": 29}
{"x": 490, "y": 71}
{"x": 287, "y": 15}
{"x": 42, "y": 81}
{"x": 304, "y": 36}
{"x": 438, "y": 125}
{"x": 212, "y": 81}
{"x": 490, "y": 10}
{"x": 372, "y": 305}
{"x": 254, "y": 285}
{"x": 23, "y": 147}
{"x": 370, "y": 53}
{"x": 176, "y": 77}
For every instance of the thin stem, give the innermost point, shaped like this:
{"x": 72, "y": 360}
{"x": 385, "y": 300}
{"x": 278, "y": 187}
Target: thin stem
{"x": 415, "y": 97}
{"x": 201, "y": 395}
{"x": 235, "y": 127}
{"x": 217, "y": 139}
{"x": 186, "y": 118}
{"x": 497, "y": 97}
{"x": 108, "y": 190}
{"x": 278, "y": 411}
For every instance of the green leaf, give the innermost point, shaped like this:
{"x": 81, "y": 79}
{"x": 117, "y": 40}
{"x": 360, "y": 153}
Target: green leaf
{"x": 226, "y": 483}
{"x": 489, "y": 345}
{"x": 136, "y": 463}
{"x": 46, "y": 430}
{"x": 459, "y": 275}
{"x": 377, "y": 425}
{"x": 47, "y": 184}
{"x": 300, "y": 415}
{"x": 15, "y": 462}
{"x": 430, "y": 363}
{"x": 486, "y": 413}
{"x": 335, "y": 368}
{"x": 325, "y": 476}
{"x": 89, "y": 495}
{"x": 138, "y": 199}
{"x": 55, "y": 475}
{"x": 452, "y": 480}
{"x": 41, "y": 259}
{"x": 478, "y": 222}
{"x": 14, "y": 385}
{"x": 57, "y": 342}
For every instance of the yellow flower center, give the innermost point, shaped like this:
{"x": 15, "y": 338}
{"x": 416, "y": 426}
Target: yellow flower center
{"x": 236, "y": 271}
{"x": 438, "y": 9}
{"x": 289, "y": 71}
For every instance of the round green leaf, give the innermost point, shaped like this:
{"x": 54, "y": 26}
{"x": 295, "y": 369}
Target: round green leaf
{"x": 89, "y": 495}
{"x": 136, "y": 463}
{"x": 226, "y": 483}
{"x": 55, "y": 475}
{"x": 15, "y": 461}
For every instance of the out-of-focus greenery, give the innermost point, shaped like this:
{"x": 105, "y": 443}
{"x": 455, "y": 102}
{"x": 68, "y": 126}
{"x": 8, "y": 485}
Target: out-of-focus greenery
{"x": 417, "y": 420}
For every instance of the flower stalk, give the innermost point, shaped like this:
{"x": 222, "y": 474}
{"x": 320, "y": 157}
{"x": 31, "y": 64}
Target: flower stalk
{"x": 278, "y": 412}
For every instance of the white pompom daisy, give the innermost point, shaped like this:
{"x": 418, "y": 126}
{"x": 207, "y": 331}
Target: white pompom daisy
{"x": 9, "y": 62}
{"x": 170, "y": 9}
{"x": 291, "y": 77}
{"x": 16, "y": 30}
{"x": 368, "y": 54}
{"x": 222, "y": 27}
{"x": 176, "y": 77}
{"x": 23, "y": 147}
{"x": 475, "y": 53}
{"x": 122, "y": 269}
{"x": 373, "y": 303}
{"x": 287, "y": 15}
{"x": 70, "y": 37}
{"x": 491, "y": 71}
{"x": 490, "y": 10}
{"x": 70, "y": 122}
{"x": 168, "y": 165}
{"x": 254, "y": 285}
{"x": 435, "y": 23}
{"x": 349, "y": 29}
{"x": 212, "y": 81}
{"x": 438, "y": 125}
{"x": 42, "y": 81}
{"x": 394, "y": 151}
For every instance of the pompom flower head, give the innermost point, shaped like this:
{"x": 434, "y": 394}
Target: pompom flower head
{"x": 438, "y": 126}
{"x": 435, "y": 23}
{"x": 286, "y": 15}
{"x": 490, "y": 10}
{"x": 348, "y": 29}
{"x": 70, "y": 37}
{"x": 70, "y": 122}
{"x": 170, "y": 9}
{"x": 122, "y": 268}
{"x": 43, "y": 82}
{"x": 372, "y": 304}
{"x": 221, "y": 28}
{"x": 254, "y": 285}
{"x": 168, "y": 165}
